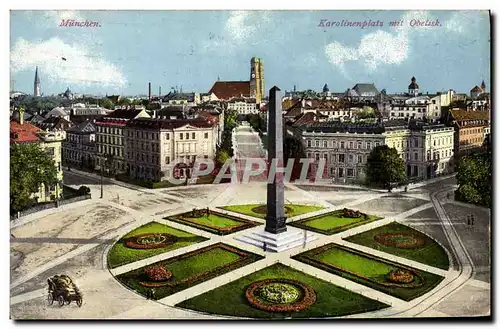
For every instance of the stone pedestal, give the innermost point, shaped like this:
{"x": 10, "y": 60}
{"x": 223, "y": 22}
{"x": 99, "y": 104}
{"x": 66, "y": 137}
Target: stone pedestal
{"x": 291, "y": 238}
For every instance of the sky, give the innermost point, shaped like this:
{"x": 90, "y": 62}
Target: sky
{"x": 192, "y": 49}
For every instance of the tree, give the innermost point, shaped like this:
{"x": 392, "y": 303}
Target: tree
{"x": 221, "y": 157}
{"x": 385, "y": 168}
{"x": 366, "y": 113}
{"x": 106, "y": 103}
{"x": 30, "y": 166}
{"x": 474, "y": 179}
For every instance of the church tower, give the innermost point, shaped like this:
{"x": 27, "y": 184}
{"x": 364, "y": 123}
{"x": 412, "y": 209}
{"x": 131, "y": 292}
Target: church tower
{"x": 257, "y": 88}
{"x": 36, "y": 89}
{"x": 413, "y": 87}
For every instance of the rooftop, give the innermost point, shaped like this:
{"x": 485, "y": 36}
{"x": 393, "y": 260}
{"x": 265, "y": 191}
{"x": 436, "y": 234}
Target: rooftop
{"x": 231, "y": 89}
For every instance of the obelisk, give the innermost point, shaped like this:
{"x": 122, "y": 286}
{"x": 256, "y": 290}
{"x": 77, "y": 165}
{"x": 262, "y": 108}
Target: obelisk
{"x": 275, "y": 218}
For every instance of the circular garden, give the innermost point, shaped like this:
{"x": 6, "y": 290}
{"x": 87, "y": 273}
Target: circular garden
{"x": 150, "y": 241}
{"x": 400, "y": 240}
{"x": 280, "y": 295}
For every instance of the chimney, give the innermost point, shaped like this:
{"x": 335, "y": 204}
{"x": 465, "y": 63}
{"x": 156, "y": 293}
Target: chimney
{"x": 149, "y": 90}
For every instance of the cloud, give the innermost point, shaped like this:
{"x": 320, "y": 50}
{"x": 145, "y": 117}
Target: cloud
{"x": 379, "y": 47}
{"x": 82, "y": 66}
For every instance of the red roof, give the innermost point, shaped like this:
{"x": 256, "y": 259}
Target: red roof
{"x": 25, "y": 133}
{"x": 230, "y": 89}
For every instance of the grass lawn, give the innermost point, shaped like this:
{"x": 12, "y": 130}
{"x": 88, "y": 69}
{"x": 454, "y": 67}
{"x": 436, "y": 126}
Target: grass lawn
{"x": 431, "y": 253}
{"x": 215, "y": 223}
{"x": 195, "y": 267}
{"x": 368, "y": 270}
{"x": 331, "y": 300}
{"x": 214, "y": 220}
{"x": 296, "y": 209}
{"x": 332, "y": 222}
{"x": 121, "y": 255}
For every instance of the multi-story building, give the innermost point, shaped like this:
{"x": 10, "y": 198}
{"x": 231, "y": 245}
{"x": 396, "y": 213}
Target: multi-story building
{"x": 153, "y": 145}
{"x": 110, "y": 140}
{"x": 88, "y": 110}
{"x": 79, "y": 148}
{"x": 50, "y": 141}
{"x": 346, "y": 146}
{"x": 469, "y": 129}
{"x": 243, "y": 105}
{"x": 430, "y": 150}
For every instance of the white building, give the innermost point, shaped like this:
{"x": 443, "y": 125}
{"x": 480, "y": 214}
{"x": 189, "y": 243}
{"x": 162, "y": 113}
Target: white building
{"x": 153, "y": 145}
{"x": 243, "y": 105}
{"x": 88, "y": 109}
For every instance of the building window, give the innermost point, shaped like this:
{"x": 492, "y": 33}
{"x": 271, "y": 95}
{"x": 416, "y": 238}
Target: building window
{"x": 309, "y": 143}
{"x": 193, "y": 135}
{"x": 334, "y": 144}
{"x": 206, "y": 135}
{"x": 341, "y": 158}
{"x": 360, "y": 144}
{"x": 407, "y": 156}
{"x": 377, "y": 144}
{"x": 342, "y": 145}
{"x": 341, "y": 172}
{"x": 187, "y": 135}
{"x": 333, "y": 158}
{"x": 325, "y": 156}
{"x": 351, "y": 145}
{"x": 415, "y": 156}
{"x": 416, "y": 142}
{"x": 317, "y": 143}
{"x": 325, "y": 144}
{"x": 317, "y": 156}
{"x": 369, "y": 145}
{"x": 351, "y": 158}
{"x": 350, "y": 172}
{"x": 360, "y": 158}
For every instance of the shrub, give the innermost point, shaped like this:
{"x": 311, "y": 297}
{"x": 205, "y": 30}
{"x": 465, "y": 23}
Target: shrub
{"x": 157, "y": 273}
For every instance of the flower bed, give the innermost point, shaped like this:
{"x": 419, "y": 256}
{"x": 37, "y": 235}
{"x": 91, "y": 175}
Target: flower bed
{"x": 149, "y": 241}
{"x": 399, "y": 240}
{"x": 263, "y": 210}
{"x": 280, "y": 295}
{"x": 358, "y": 218}
{"x": 157, "y": 273}
{"x": 188, "y": 219}
{"x": 201, "y": 275}
{"x": 399, "y": 273}
{"x": 401, "y": 276}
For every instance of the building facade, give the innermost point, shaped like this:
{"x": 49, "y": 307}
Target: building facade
{"x": 110, "y": 139}
{"x": 79, "y": 148}
{"x": 153, "y": 146}
{"x": 243, "y": 106}
{"x": 426, "y": 148}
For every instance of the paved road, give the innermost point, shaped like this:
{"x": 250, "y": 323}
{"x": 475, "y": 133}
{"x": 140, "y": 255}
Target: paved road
{"x": 247, "y": 145}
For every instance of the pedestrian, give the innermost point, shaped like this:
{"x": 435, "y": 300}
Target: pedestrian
{"x": 208, "y": 211}
{"x": 265, "y": 246}
{"x": 472, "y": 220}
{"x": 468, "y": 220}
{"x": 153, "y": 293}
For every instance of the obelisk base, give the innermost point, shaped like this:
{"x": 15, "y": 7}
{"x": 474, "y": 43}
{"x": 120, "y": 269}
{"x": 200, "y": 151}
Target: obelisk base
{"x": 275, "y": 225}
{"x": 271, "y": 242}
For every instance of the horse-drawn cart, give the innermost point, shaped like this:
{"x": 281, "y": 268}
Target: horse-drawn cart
{"x": 63, "y": 290}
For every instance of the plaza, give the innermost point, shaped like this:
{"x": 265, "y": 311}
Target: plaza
{"x": 77, "y": 239}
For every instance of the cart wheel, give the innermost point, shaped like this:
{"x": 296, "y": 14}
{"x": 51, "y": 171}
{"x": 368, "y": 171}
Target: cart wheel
{"x": 79, "y": 302}
{"x": 50, "y": 299}
{"x": 61, "y": 300}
